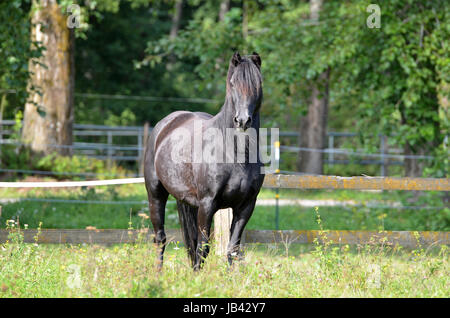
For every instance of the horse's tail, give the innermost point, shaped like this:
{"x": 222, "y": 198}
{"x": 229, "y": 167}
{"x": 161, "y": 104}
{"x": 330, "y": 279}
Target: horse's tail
{"x": 188, "y": 220}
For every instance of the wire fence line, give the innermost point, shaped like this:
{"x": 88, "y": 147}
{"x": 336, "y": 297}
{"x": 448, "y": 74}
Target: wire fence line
{"x": 75, "y": 174}
{"x": 354, "y": 153}
{"x": 77, "y": 145}
{"x": 102, "y": 146}
{"x": 77, "y": 201}
{"x": 111, "y": 151}
{"x": 71, "y": 184}
{"x": 149, "y": 98}
{"x": 135, "y": 130}
{"x": 343, "y": 205}
{"x": 194, "y": 100}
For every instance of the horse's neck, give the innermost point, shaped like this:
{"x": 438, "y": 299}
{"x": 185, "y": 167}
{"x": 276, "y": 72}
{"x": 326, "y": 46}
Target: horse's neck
{"x": 224, "y": 119}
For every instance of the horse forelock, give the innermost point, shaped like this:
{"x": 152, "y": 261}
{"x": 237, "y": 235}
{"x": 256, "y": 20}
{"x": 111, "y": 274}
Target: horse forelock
{"x": 246, "y": 77}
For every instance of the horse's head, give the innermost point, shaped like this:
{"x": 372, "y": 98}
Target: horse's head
{"x": 244, "y": 88}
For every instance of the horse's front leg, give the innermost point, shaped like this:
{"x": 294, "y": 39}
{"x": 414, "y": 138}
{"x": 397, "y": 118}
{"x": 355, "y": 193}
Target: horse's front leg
{"x": 204, "y": 221}
{"x": 240, "y": 219}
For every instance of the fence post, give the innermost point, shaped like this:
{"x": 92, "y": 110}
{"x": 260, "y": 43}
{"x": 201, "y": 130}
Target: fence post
{"x": 2, "y": 106}
{"x": 222, "y": 225}
{"x": 330, "y": 148}
{"x": 383, "y": 167}
{"x": 109, "y": 152}
{"x": 1, "y": 138}
{"x": 143, "y": 144}
{"x": 139, "y": 144}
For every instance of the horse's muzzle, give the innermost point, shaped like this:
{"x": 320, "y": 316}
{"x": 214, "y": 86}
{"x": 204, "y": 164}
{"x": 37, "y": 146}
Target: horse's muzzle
{"x": 242, "y": 122}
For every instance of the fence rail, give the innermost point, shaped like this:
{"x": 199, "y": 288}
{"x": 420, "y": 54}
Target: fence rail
{"x": 281, "y": 181}
{"x": 133, "y": 150}
{"x": 118, "y": 236}
{"x": 356, "y": 183}
{"x": 222, "y": 219}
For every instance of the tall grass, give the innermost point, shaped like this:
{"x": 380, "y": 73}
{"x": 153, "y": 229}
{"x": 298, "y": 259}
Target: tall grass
{"x": 322, "y": 269}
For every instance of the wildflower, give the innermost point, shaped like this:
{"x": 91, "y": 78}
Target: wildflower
{"x": 143, "y": 215}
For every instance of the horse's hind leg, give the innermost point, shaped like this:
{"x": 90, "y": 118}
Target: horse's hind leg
{"x": 157, "y": 198}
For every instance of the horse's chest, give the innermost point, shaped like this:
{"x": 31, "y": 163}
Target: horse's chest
{"x": 241, "y": 187}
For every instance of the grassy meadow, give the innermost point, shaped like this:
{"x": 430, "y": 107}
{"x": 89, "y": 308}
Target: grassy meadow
{"x": 129, "y": 270}
{"x": 274, "y": 270}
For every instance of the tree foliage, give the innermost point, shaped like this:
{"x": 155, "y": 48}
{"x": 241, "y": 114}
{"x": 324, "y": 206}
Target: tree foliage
{"x": 388, "y": 79}
{"x": 16, "y": 51}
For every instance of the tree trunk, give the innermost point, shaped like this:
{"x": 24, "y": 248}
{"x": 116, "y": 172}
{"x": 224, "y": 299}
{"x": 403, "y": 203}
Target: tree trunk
{"x": 49, "y": 116}
{"x": 313, "y": 129}
{"x": 313, "y": 126}
{"x": 224, "y": 8}
{"x": 245, "y": 20}
{"x": 176, "y": 20}
{"x": 2, "y": 108}
{"x": 414, "y": 167}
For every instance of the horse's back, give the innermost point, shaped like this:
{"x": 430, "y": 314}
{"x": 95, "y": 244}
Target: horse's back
{"x": 173, "y": 121}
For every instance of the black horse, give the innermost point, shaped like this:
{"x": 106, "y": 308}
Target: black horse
{"x": 202, "y": 188}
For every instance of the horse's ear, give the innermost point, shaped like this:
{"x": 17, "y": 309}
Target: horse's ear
{"x": 236, "y": 59}
{"x": 256, "y": 59}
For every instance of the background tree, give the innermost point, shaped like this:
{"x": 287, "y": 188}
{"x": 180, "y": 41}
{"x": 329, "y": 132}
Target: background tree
{"x": 15, "y": 52}
{"x": 391, "y": 80}
{"x": 48, "y": 117}
{"x": 49, "y": 112}
{"x": 313, "y": 126}
{"x": 400, "y": 70}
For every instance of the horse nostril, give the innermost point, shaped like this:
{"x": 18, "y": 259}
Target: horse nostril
{"x": 248, "y": 122}
{"x": 236, "y": 119}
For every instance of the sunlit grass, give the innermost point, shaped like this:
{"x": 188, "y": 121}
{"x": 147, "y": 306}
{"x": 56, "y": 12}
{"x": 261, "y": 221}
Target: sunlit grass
{"x": 72, "y": 216}
{"x": 129, "y": 270}
{"x": 322, "y": 269}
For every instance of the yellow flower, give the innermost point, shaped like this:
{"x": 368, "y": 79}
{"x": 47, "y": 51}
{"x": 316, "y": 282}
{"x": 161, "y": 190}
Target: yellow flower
{"x": 143, "y": 215}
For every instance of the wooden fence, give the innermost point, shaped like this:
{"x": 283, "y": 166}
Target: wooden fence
{"x": 223, "y": 218}
{"x": 119, "y": 236}
{"x": 106, "y": 147}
